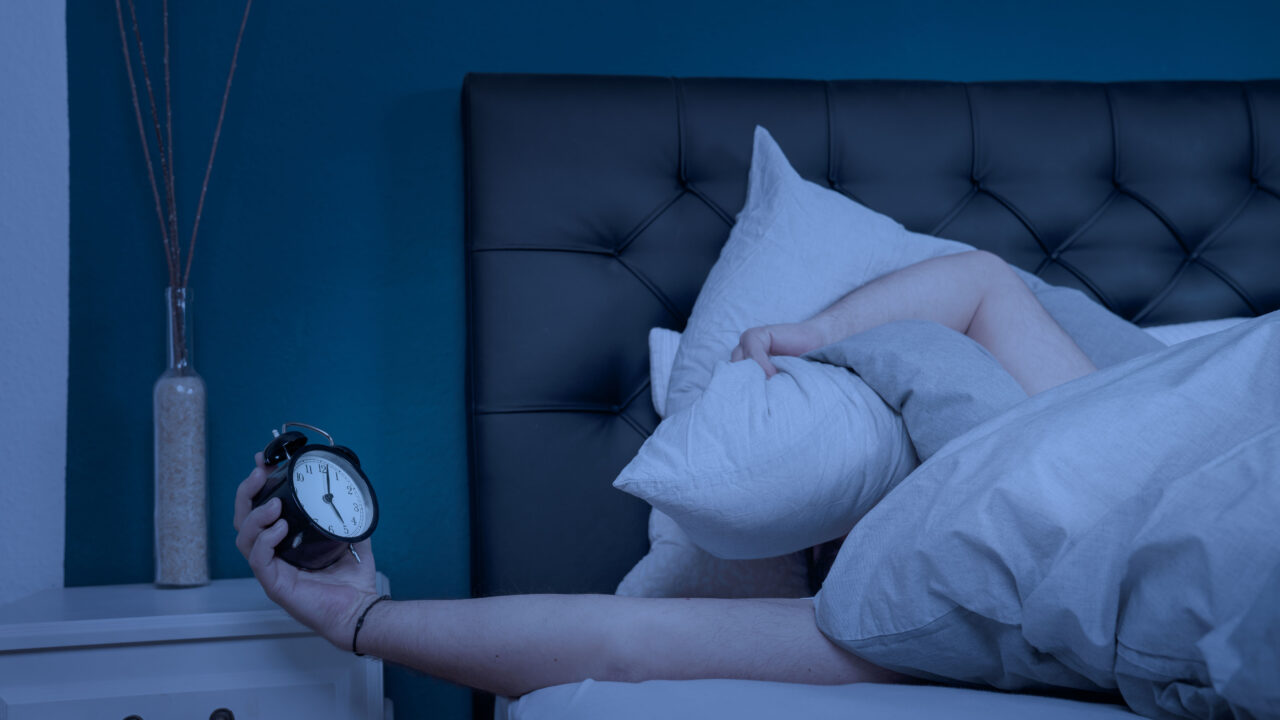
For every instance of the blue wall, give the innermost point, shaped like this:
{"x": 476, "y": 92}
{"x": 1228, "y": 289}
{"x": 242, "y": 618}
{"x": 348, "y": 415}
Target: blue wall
{"x": 328, "y": 276}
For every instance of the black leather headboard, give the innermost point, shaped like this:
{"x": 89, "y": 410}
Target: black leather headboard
{"x": 595, "y": 206}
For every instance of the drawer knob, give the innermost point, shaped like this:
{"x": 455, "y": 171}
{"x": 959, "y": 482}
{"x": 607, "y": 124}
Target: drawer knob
{"x": 222, "y": 714}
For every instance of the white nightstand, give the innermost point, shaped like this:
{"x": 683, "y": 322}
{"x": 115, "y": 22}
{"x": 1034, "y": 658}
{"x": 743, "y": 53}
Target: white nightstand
{"x": 115, "y": 651}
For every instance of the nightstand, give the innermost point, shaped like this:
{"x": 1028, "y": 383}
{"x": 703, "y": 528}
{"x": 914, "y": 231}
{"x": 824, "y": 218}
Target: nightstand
{"x": 135, "y": 650}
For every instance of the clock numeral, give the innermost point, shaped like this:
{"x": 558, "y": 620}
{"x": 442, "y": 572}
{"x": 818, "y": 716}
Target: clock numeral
{"x": 330, "y": 528}
{"x": 358, "y": 507}
{"x": 350, "y": 490}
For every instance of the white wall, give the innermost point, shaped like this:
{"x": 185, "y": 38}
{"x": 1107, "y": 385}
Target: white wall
{"x": 34, "y": 257}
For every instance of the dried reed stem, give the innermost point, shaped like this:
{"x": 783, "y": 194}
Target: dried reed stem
{"x": 179, "y": 319}
{"x": 168, "y": 120}
{"x": 146, "y": 152}
{"x": 174, "y": 249}
{"x": 217, "y": 132}
{"x": 169, "y": 226}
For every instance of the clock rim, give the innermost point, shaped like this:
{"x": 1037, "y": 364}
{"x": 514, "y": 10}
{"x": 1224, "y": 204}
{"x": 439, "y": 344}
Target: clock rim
{"x": 355, "y": 465}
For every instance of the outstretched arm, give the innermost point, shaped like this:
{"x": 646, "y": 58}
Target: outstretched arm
{"x": 513, "y": 644}
{"x": 975, "y": 293}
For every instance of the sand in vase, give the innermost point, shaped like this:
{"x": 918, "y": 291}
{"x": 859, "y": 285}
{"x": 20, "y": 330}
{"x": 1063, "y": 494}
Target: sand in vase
{"x": 182, "y": 535}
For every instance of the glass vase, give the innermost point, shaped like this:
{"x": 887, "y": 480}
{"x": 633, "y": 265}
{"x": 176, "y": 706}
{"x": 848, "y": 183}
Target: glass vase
{"x": 181, "y": 502}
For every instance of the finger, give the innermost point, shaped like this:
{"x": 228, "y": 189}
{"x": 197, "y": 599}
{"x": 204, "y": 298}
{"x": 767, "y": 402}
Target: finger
{"x": 262, "y": 556}
{"x": 762, "y": 359}
{"x": 248, "y": 488}
{"x": 757, "y": 348}
{"x": 254, "y": 523}
{"x": 736, "y": 355}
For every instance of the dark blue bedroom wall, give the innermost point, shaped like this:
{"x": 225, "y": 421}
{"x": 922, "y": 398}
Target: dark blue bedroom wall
{"x": 328, "y": 277}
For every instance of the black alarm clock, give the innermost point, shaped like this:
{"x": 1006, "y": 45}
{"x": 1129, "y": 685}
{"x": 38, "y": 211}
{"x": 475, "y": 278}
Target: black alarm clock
{"x": 325, "y": 498}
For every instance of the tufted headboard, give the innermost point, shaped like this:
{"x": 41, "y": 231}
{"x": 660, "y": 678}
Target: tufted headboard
{"x": 595, "y": 206}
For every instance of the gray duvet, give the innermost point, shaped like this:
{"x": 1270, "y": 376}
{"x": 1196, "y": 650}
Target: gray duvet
{"x": 1120, "y": 532}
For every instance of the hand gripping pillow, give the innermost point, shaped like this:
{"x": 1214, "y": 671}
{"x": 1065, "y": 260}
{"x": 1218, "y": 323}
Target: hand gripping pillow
{"x": 1116, "y": 532}
{"x": 756, "y": 469}
{"x": 760, "y": 469}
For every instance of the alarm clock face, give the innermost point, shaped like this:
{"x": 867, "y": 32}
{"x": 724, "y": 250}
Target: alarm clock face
{"x": 332, "y": 493}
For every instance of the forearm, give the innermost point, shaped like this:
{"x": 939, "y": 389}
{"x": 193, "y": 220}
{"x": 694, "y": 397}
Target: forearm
{"x": 511, "y": 645}
{"x": 974, "y": 293}
{"x": 947, "y": 290}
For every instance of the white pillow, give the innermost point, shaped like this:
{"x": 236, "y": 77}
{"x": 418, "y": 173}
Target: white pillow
{"x": 749, "y": 469}
{"x": 755, "y": 469}
{"x": 674, "y": 566}
{"x": 796, "y": 248}
{"x": 663, "y": 344}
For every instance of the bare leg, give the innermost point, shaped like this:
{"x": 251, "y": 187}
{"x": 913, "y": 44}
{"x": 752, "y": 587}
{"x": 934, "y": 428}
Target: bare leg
{"x": 514, "y": 644}
{"x": 975, "y": 293}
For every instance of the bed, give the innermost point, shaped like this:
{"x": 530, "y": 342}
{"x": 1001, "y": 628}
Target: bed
{"x": 595, "y": 207}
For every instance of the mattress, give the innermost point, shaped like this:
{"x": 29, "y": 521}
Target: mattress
{"x": 754, "y": 700}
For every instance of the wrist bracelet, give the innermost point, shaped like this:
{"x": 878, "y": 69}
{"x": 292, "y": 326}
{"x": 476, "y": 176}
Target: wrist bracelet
{"x": 360, "y": 623}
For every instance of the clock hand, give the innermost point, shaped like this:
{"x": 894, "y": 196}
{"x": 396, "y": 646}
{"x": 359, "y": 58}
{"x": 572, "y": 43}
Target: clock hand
{"x": 328, "y": 495}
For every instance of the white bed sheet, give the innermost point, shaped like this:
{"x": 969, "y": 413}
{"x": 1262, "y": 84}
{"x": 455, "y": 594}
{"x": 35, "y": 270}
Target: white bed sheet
{"x": 753, "y": 700}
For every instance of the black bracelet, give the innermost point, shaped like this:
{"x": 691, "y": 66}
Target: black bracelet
{"x": 360, "y": 623}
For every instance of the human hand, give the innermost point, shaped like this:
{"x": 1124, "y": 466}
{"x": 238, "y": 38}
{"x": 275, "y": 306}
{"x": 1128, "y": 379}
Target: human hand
{"x": 327, "y": 601}
{"x": 759, "y": 343}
